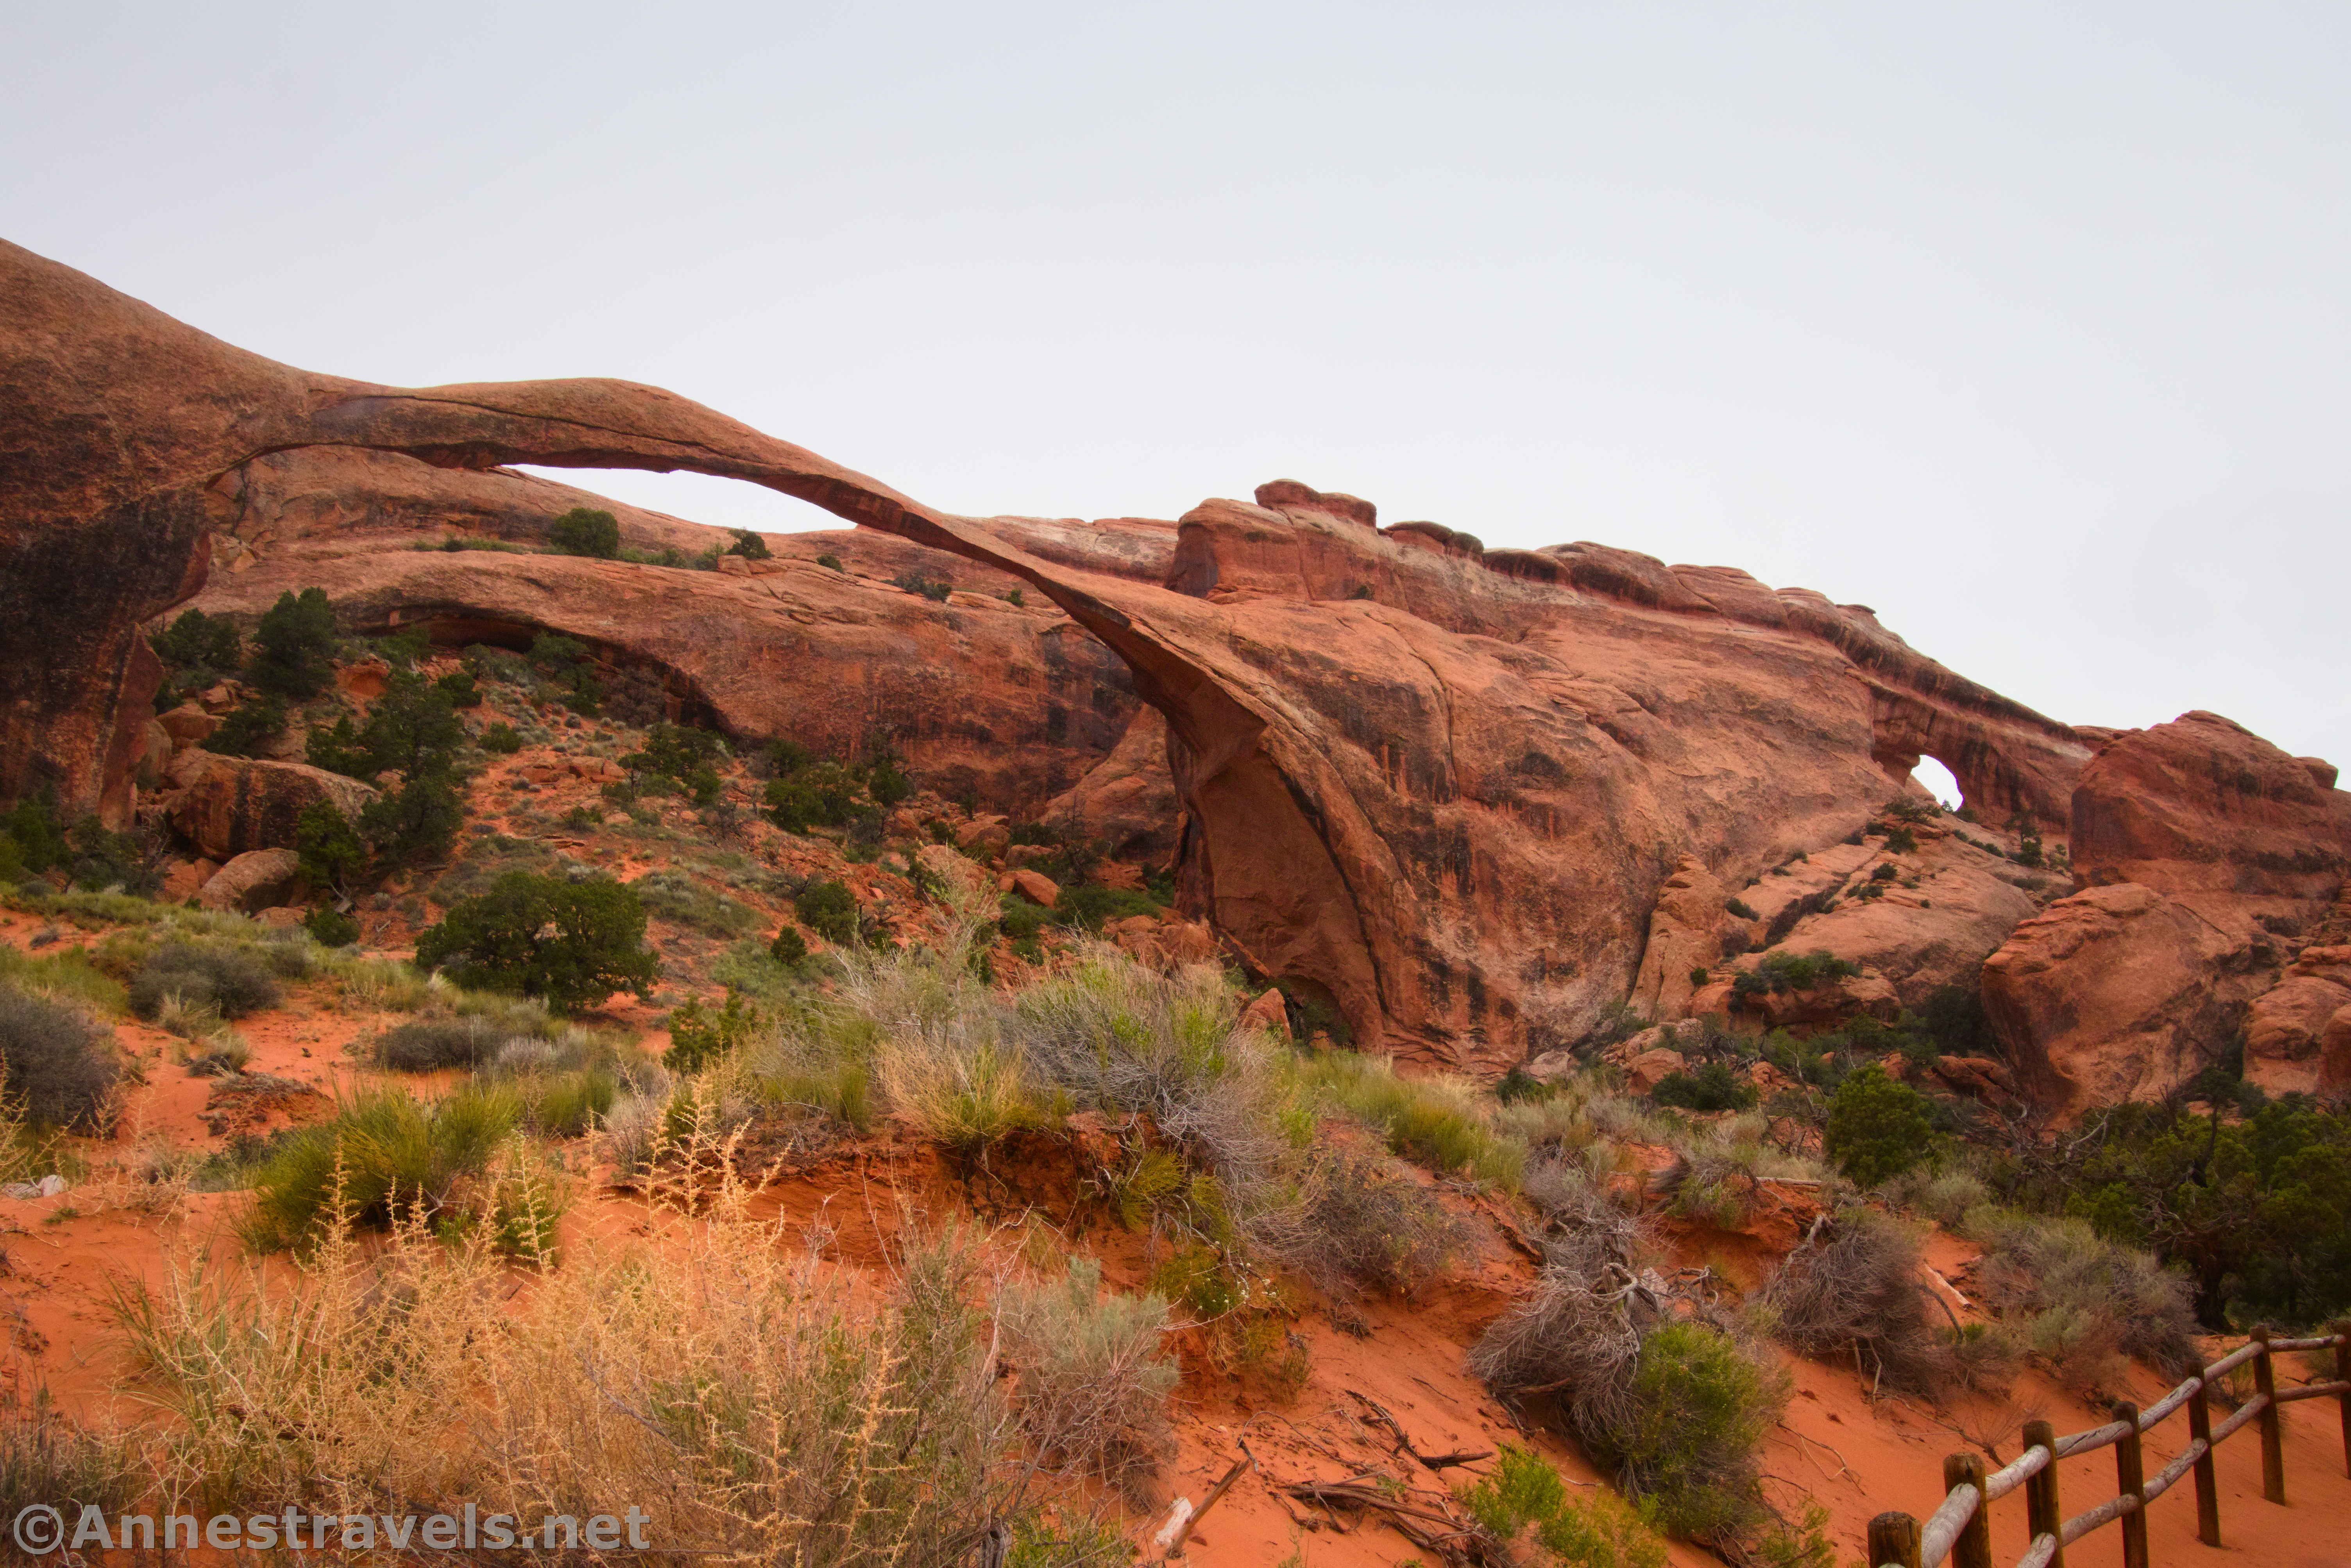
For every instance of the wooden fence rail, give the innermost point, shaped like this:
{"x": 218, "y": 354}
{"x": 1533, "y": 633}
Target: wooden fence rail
{"x": 1960, "y": 1532}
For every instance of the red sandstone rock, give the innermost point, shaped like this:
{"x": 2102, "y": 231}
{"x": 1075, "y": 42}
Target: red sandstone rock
{"x": 227, "y": 805}
{"x": 253, "y": 880}
{"x": 1036, "y": 885}
{"x": 1269, "y": 1013}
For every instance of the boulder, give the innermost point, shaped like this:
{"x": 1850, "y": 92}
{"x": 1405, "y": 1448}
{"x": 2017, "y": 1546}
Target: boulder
{"x": 183, "y": 879}
{"x": 2288, "y": 1026}
{"x": 228, "y": 805}
{"x": 254, "y": 879}
{"x": 1267, "y": 1012}
{"x": 2117, "y": 993}
{"x": 1648, "y": 1068}
{"x": 985, "y": 835}
{"x": 1036, "y": 885}
{"x": 283, "y": 916}
{"x": 188, "y": 725}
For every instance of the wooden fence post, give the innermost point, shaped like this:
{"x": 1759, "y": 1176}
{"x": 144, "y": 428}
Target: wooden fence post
{"x": 2208, "y": 1482}
{"x": 1894, "y": 1538}
{"x": 2130, "y": 1480}
{"x": 2343, "y": 1375}
{"x": 1973, "y": 1548}
{"x": 2042, "y": 1509}
{"x": 2273, "y": 1428}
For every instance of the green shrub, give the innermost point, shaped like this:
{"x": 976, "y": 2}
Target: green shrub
{"x": 702, "y": 1037}
{"x": 329, "y": 847}
{"x": 1713, "y": 1087}
{"x": 230, "y": 981}
{"x": 1702, "y": 1408}
{"x": 32, "y": 826}
{"x": 246, "y": 729}
{"x": 417, "y": 822}
{"x": 572, "y": 943}
{"x": 1877, "y": 1127}
{"x": 750, "y": 545}
{"x": 2088, "y": 1302}
{"x": 828, "y": 909}
{"x": 1088, "y": 906}
{"x": 460, "y": 687}
{"x": 821, "y": 794}
{"x": 789, "y": 946}
{"x": 568, "y": 1104}
{"x": 589, "y": 531}
{"x": 570, "y": 669}
{"x": 500, "y": 739}
{"x": 1780, "y": 971}
{"x": 402, "y": 649}
{"x": 1524, "y": 1494}
{"x": 435, "y": 1043}
{"x": 678, "y": 897}
{"x": 1741, "y": 908}
{"x": 61, "y": 1068}
{"x": 198, "y": 642}
{"x": 331, "y": 927}
{"x": 830, "y": 562}
{"x": 387, "y": 1155}
{"x": 98, "y": 858}
{"x": 930, "y": 588}
{"x": 1900, "y": 840}
{"x": 294, "y": 645}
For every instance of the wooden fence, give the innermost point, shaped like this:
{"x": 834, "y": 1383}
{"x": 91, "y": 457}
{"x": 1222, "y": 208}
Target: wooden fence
{"x": 1959, "y": 1532}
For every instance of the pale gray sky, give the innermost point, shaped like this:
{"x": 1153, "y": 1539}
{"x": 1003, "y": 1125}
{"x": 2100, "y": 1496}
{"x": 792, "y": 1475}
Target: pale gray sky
{"x": 2026, "y": 324}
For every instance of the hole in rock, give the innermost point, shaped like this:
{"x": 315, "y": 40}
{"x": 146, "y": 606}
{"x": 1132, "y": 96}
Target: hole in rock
{"x": 699, "y": 498}
{"x": 1939, "y": 782}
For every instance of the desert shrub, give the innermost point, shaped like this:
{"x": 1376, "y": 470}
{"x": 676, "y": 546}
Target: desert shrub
{"x": 1856, "y": 1292}
{"x": 819, "y": 794}
{"x": 1524, "y": 1495}
{"x": 248, "y": 727}
{"x": 568, "y": 1104}
{"x": 208, "y": 645}
{"x": 1021, "y": 919}
{"x": 587, "y": 530}
{"x": 417, "y": 822}
{"x": 1713, "y": 1087}
{"x": 330, "y": 850}
{"x": 61, "y": 1069}
{"x": 676, "y": 896}
{"x": 828, "y": 909}
{"x": 931, "y": 588}
{"x": 1899, "y": 840}
{"x": 1087, "y": 906}
{"x": 830, "y": 562}
{"x": 500, "y": 739}
{"x": 680, "y": 752}
{"x": 789, "y": 946}
{"x": 47, "y": 1460}
{"x": 1780, "y": 971}
{"x": 571, "y": 943}
{"x": 569, "y": 670}
{"x": 755, "y": 1406}
{"x": 432, "y": 1043}
{"x": 100, "y": 859}
{"x": 1435, "y": 1122}
{"x": 231, "y": 981}
{"x": 388, "y": 1156}
{"x": 1093, "y": 1384}
{"x": 331, "y": 927}
{"x": 1368, "y": 1225}
{"x": 1943, "y": 1197}
{"x": 702, "y": 1037}
{"x": 1877, "y": 1127}
{"x": 2085, "y": 1300}
{"x": 750, "y": 545}
{"x": 1702, "y": 1406}
{"x": 294, "y": 645}
{"x": 1741, "y": 907}
{"x": 461, "y": 688}
{"x": 404, "y": 648}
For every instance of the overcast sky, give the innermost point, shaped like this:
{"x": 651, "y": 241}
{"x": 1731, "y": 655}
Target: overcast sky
{"x": 2024, "y": 324}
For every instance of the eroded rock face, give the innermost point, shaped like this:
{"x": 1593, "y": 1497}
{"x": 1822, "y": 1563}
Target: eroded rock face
{"x": 1444, "y": 786}
{"x": 2298, "y": 1033}
{"x": 2207, "y": 858}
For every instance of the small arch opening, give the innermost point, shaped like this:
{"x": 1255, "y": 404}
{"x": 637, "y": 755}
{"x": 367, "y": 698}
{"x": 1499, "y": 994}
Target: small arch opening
{"x": 1939, "y": 781}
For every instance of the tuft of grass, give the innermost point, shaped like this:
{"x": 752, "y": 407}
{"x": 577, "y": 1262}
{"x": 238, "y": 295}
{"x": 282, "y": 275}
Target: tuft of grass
{"x": 675, "y": 896}
{"x": 1435, "y": 1122}
{"x": 1525, "y": 1498}
{"x": 64, "y": 976}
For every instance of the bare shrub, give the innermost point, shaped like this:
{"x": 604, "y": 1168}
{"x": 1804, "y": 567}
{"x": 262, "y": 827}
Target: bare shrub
{"x": 1855, "y": 1290}
{"x": 1093, "y": 1384}
{"x": 1575, "y": 1336}
{"x": 1369, "y": 1224}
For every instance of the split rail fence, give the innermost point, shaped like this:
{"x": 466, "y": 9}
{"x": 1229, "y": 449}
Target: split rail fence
{"x": 1959, "y": 1532}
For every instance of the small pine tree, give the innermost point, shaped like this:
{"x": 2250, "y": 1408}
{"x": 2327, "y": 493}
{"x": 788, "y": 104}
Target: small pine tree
{"x": 572, "y": 943}
{"x": 1877, "y": 1126}
{"x": 294, "y": 645}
